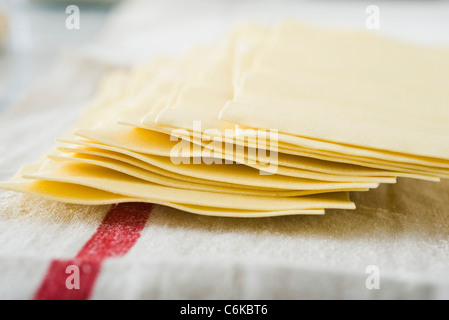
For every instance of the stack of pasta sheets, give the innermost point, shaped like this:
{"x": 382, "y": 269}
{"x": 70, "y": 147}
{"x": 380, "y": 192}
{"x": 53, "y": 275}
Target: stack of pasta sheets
{"x": 268, "y": 121}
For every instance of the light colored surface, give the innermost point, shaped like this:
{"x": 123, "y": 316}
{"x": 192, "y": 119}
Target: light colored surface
{"x": 36, "y": 37}
{"x": 403, "y": 229}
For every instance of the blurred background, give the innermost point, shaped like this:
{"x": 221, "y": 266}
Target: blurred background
{"x": 34, "y": 33}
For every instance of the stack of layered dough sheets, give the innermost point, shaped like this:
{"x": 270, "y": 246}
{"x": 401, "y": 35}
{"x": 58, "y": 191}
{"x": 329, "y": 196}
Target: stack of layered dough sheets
{"x": 268, "y": 121}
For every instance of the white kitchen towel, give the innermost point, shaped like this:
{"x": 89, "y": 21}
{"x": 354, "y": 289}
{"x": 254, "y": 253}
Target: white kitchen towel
{"x": 399, "y": 233}
{"x": 395, "y": 245}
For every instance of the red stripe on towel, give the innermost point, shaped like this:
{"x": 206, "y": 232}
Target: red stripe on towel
{"x": 115, "y": 236}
